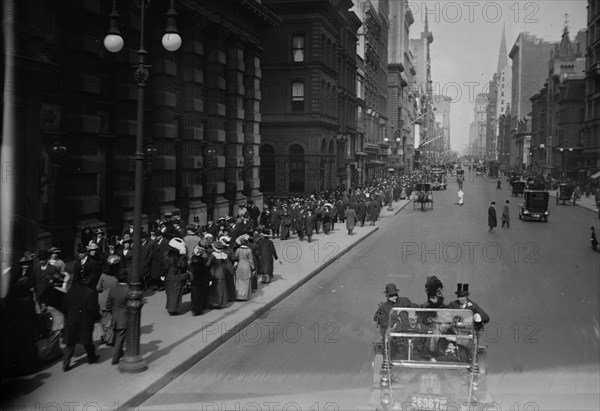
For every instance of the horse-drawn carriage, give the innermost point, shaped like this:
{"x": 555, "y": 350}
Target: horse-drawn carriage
{"x": 423, "y": 195}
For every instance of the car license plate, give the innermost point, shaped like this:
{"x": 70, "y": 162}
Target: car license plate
{"x": 427, "y": 402}
{"x": 536, "y": 216}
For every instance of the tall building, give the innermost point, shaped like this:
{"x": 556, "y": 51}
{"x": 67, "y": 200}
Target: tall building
{"x": 77, "y": 119}
{"x": 491, "y": 136}
{"x": 480, "y": 125}
{"x": 529, "y": 56}
{"x": 373, "y": 47}
{"x": 308, "y": 108}
{"x": 591, "y": 146}
{"x": 401, "y": 72}
{"x": 503, "y": 81}
{"x": 423, "y": 88}
{"x": 442, "y": 105}
{"x": 558, "y": 112}
{"x": 500, "y": 95}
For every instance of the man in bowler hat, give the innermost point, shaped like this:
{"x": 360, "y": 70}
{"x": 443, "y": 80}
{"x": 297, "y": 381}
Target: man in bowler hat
{"x": 382, "y": 315}
{"x": 464, "y": 303}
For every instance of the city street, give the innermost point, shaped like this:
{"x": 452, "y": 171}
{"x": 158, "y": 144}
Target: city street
{"x": 537, "y": 281}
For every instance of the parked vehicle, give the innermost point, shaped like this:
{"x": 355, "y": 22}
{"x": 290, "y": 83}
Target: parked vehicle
{"x": 565, "y": 193}
{"x": 535, "y": 205}
{"x": 430, "y": 359}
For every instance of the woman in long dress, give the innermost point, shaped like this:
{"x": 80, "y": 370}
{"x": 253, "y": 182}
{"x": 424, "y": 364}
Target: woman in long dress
{"x": 175, "y": 272}
{"x": 220, "y": 266}
{"x": 244, "y": 270}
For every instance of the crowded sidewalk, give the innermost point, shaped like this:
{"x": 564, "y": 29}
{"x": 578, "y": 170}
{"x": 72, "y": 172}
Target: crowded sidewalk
{"x": 170, "y": 345}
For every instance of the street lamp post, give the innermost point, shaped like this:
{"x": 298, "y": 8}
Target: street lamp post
{"x": 132, "y": 360}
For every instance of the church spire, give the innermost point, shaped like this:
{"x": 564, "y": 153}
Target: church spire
{"x": 426, "y": 34}
{"x": 503, "y": 56}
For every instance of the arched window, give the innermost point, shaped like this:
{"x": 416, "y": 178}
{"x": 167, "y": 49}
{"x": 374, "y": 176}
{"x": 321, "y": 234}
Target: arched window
{"x": 267, "y": 169}
{"x": 296, "y": 169}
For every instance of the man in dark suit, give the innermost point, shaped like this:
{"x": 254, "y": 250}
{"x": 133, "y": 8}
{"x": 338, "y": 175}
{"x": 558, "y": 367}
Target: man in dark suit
{"x": 117, "y": 305}
{"x": 81, "y": 312}
{"x": 492, "y": 221}
{"x": 275, "y": 221}
{"x": 463, "y": 302}
{"x": 309, "y": 224}
{"x": 146, "y": 255}
{"x": 254, "y": 212}
{"x": 382, "y": 315}
{"x": 88, "y": 266}
{"x": 158, "y": 255}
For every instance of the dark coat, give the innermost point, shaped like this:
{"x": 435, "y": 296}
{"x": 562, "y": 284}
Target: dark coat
{"x": 275, "y": 219}
{"x": 361, "y": 211}
{"x": 350, "y": 216}
{"x": 476, "y": 309}
{"x": 116, "y": 303}
{"x": 492, "y": 221}
{"x": 309, "y": 224}
{"x": 266, "y": 254}
{"x": 81, "y": 311}
{"x": 175, "y": 272}
{"x": 146, "y": 256}
{"x": 158, "y": 258}
{"x": 382, "y": 314}
{"x": 372, "y": 210}
{"x": 88, "y": 272}
{"x": 506, "y": 213}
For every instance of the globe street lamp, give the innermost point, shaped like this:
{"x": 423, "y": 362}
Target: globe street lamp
{"x": 132, "y": 360}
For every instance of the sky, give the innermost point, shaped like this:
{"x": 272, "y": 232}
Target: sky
{"x": 466, "y": 43}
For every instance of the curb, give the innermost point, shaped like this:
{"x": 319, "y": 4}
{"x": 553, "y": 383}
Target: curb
{"x": 153, "y": 388}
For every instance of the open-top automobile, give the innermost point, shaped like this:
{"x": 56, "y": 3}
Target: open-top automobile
{"x": 430, "y": 359}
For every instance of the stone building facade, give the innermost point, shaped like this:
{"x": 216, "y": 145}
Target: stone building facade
{"x": 309, "y": 107}
{"x": 77, "y": 117}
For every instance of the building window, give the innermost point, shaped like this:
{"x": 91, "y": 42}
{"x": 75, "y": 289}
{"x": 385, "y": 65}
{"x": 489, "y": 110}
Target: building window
{"x": 297, "y": 96}
{"x": 298, "y": 48}
{"x": 297, "y": 172}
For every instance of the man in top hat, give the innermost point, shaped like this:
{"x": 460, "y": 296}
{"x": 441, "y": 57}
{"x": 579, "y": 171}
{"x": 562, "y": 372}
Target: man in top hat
{"x": 464, "y": 303}
{"x": 382, "y": 315}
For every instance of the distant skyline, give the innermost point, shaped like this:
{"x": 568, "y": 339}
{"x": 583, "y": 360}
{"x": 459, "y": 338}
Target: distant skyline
{"x": 467, "y": 34}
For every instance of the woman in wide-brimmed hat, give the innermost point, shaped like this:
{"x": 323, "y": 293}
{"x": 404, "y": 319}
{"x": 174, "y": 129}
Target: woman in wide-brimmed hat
{"x": 220, "y": 266}
{"x": 244, "y": 269}
{"x": 175, "y": 272}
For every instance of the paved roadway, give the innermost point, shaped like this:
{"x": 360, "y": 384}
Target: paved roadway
{"x": 538, "y": 282}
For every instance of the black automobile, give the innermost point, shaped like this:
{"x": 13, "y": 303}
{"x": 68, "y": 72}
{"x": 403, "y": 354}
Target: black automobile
{"x": 535, "y": 205}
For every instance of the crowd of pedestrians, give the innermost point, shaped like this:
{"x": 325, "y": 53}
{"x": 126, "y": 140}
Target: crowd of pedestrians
{"x": 217, "y": 263}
